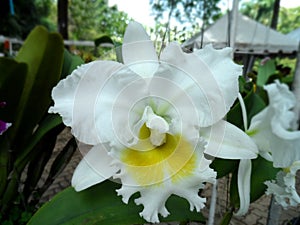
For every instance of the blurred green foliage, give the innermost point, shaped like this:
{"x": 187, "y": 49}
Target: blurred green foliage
{"x": 26, "y": 147}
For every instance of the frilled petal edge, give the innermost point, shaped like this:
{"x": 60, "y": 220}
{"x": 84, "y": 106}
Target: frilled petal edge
{"x": 76, "y": 96}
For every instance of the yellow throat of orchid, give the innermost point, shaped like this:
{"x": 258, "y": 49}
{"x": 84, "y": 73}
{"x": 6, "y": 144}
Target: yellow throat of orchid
{"x": 158, "y": 155}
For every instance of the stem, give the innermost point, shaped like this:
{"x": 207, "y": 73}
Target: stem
{"x": 213, "y": 204}
{"x": 244, "y": 112}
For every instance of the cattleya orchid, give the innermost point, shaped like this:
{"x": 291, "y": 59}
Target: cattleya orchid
{"x": 152, "y": 121}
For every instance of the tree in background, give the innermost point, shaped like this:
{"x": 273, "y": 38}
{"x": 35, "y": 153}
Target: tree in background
{"x": 90, "y": 19}
{"x": 188, "y": 13}
{"x": 263, "y": 10}
{"x": 25, "y": 16}
{"x": 289, "y": 19}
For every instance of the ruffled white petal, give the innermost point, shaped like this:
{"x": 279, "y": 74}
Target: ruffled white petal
{"x": 138, "y": 51}
{"x": 224, "y": 70}
{"x": 75, "y": 98}
{"x": 64, "y": 93}
{"x": 153, "y": 197}
{"x": 94, "y": 168}
{"x": 284, "y": 188}
{"x": 225, "y": 140}
{"x": 244, "y": 175}
{"x": 197, "y": 79}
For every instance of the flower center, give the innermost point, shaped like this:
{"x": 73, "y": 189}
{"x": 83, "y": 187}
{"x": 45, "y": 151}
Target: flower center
{"x": 158, "y": 127}
{"x": 158, "y": 155}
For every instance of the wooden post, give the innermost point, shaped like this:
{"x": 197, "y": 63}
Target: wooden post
{"x": 62, "y": 18}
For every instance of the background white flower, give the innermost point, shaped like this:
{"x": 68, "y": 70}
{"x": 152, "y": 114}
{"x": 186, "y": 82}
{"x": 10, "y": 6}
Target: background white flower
{"x": 284, "y": 188}
{"x": 271, "y": 129}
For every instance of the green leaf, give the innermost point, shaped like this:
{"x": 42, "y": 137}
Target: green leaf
{"x": 103, "y": 40}
{"x": 50, "y": 122}
{"x": 227, "y": 218}
{"x": 43, "y": 53}
{"x": 101, "y": 205}
{"x": 59, "y": 164}
{"x": 253, "y": 103}
{"x": 265, "y": 71}
{"x": 4, "y": 162}
{"x": 262, "y": 170}
{"x": 224, "y": 166}
{"x": 41, "y": 153}
{"x": 12, "y": 81}
{"x": 70, "y": 63}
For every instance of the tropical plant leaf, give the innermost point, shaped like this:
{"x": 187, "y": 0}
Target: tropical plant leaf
{"x": 43, "y": 53}
{"x": 101, "y": 205}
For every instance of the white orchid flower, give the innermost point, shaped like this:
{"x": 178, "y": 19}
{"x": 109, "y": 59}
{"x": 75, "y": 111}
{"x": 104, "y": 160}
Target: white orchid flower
{"x": 284, "y": 187}
{"x": 271, "y": 129}
{"x": 151, "y": 121}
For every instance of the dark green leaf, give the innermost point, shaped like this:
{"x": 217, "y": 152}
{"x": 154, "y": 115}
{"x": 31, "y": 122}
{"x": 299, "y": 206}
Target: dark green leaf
{"x": 41, "y": 153}
{"x": 4, "y": 162}
{"x": 226, "y": 218}
{"x": 262, "y": 170}
{"x": 224, "y": 166}
{"x": 51, "y": 121}
{"x": 253, "y": 103}
{"x": 101, "y": 205}
{"x": 12, "y": 80}
{"x": 59, "y": 164}
{"x": 103, "y": 40}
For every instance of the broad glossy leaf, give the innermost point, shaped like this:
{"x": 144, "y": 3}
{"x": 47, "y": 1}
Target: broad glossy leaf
{"x": 265, "y": 71}
{"x": 101, "y": 205}
{"x": 43, "y": 53}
